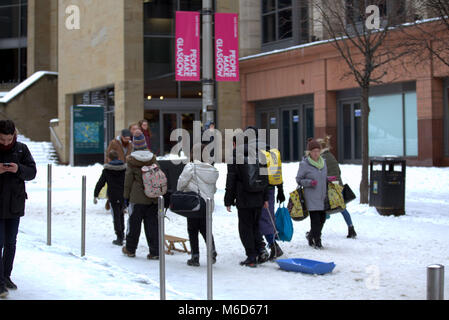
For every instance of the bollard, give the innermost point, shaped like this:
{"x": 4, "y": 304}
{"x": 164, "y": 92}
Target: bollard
{"x": 435, "y": 282}
{"x": 209, "y": 248}
{"x": 161, "y": 216}
{"x": 49, "y": 205}
{"x": 83, "y": 217}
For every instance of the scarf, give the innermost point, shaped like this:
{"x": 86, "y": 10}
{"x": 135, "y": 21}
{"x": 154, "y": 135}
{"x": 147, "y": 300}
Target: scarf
{"x": 318, "y": 164}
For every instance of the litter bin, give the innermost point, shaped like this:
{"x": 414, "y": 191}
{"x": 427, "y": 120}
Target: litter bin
{"x": 387, "y": 186}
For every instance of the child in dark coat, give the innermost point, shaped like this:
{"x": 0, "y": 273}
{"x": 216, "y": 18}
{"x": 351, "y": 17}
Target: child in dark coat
{"x": 114, "y": 175}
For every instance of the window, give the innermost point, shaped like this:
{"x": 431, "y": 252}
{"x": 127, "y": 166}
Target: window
{"x": 393, "y": 125}
{"x": 159, "y": 53}
{"x": 277, "y": 20}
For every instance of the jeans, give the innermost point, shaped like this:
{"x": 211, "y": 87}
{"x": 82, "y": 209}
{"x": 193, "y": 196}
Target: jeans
{"x": 195, "y": 226}
{"x": 249, "y": 231}
{"x": 8, "y": 238}
{"x": 148, "y": 215}
{"x": 347, "y": 217}
{"x": 317, "y": 220}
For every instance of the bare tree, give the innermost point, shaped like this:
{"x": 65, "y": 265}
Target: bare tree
{"x": 361, "y": 32}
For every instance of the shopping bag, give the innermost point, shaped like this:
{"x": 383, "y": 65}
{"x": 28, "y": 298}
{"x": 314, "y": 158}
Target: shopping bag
{"x": 348, "y": 194}
{"x": 103, "y": 192}
{"x": 334, "y": 201}
{"x": 297, "y": 205}
{"x": 284, "y": 225}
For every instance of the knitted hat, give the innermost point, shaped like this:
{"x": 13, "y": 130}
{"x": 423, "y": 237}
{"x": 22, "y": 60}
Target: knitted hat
{"x": 139, "y": 143}
{"x": 126, "y": 133}
{"x": 313, "y": 144}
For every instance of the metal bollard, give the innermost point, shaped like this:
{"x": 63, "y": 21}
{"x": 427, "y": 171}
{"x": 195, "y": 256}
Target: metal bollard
{"x": 49, "y": 205}
{"x": 161, "y": 216}
{"x": 83, "y": 217}
{"x": 209, "y": 249}
{"x": 435, "y": 282}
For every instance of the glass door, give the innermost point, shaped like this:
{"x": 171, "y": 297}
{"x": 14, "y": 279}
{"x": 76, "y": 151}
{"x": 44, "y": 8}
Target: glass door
{"x": 175, "y": 120}
{"x": 297, "y": 127}
{"x": 352, "y": 131}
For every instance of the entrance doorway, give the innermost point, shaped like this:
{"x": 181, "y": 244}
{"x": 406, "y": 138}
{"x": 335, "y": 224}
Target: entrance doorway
{"x": 351, "y": 132}
{"x": 295, "y": 125}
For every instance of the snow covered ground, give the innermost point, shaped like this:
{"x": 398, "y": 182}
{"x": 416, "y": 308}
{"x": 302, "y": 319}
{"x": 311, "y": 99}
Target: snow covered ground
{"x": 387, "y": 260}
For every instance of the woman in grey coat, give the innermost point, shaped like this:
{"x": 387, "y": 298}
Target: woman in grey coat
{"x": 312, "y": 175}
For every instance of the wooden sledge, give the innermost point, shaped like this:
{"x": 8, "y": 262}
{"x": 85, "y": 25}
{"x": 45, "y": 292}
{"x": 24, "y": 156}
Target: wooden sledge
{"x": 170, "y": 242}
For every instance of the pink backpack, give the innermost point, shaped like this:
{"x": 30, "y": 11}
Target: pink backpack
{"x": 154, "y": 181}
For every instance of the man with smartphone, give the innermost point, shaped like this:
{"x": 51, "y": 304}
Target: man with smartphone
{"x": 16, "y": 166}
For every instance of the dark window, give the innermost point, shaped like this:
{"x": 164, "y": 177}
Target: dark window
{"x": 277, "y": 20}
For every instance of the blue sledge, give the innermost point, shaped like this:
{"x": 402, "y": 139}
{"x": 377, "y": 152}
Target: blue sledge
{"x": 306, "y": 266}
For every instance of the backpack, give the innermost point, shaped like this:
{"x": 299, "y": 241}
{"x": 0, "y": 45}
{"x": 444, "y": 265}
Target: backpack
{"x": 284, "y": 224}
{"x": 253, "y": 181}
{"x": 274, "y": 166}
{"x": 154, "y": 181}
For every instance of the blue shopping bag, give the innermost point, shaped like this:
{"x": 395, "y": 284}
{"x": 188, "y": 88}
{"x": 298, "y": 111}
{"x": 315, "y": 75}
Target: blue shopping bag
{"x": 284, "y": 224}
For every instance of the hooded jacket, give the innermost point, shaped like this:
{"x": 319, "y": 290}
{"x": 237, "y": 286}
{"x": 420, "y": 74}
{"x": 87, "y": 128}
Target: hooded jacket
{"x": 117, "y": 146}
{"x": 114, "y": 175}
{"x": 314, "y": 196}
{"x": 199, "y": 176}
{"x": 134, "y": 189}
{"x": 12, "y": 185}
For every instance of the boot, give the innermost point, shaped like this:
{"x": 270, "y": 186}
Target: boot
{"x": 252, "y": 263}
{"x": 9, "y": 284}
{"x": 351, "y": 233}
{"x": 152, "y": 257}
{"x": 3, "y": 291}
{"x": 128, "y": 253}
{"x": 310, "y": 239}
{"x": 275, "y": 251}
{"x": 318, "y": 244}
{"x": 195, "y": 261}
{"x": 118, "y": 241}
{"x": 263, "y": 256}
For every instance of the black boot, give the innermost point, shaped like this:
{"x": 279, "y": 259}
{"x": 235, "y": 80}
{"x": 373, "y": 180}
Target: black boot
{"x": 263, "y": 256}
{"x": 118, "y": 241}
{"x": 351, "y": 233}
{"x": 275, "y": 252}
{"x": 310, "y": 239}
{"x": 195, "y": 261}
{"x": 9, "y": 284}
{"x": 3, "y": 291}
{"x": 252, "y": 263}
{"x": 318, "y": 244}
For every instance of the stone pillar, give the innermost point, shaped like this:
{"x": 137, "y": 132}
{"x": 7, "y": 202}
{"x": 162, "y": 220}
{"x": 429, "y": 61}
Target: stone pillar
{"x": 430, "y": 100}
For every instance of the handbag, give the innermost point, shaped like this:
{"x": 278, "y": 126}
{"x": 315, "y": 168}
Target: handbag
{"x": 297, "y": 205}
{"x": 348, "y": 194}
{"x": 334, "y": 201}
{"x": 284, "y": 225}
{"x": 188, "y": 204}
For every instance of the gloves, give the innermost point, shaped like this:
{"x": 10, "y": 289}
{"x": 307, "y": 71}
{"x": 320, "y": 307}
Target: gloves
{"x": 95, "y": 200}
{"x": 126, "y": 203}
{"x": 280, "y": 197}
{"x": 331, "y": 178}
{"x": 313, "y": 183}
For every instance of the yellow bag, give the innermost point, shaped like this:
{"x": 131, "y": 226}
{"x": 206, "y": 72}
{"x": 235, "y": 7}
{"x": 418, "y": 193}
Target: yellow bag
{"x": 274, "y": 166}
{"x": 335, "y": 197}
{"x": 297, "y": 205}
{"x": 103, "y": 192}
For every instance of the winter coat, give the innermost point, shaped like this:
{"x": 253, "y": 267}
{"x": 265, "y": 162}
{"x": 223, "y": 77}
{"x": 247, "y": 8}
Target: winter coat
{"x": 314, "y": 196}
{"x": 199, "y": 176}
{"x": 333, "y": 169}
{"x": 12, "y": 185}
{"x": 117, "y": 145}
{"x": 235, "y": 191}
{"x": 134, "y": 189}
{"x": 114, "y": 175}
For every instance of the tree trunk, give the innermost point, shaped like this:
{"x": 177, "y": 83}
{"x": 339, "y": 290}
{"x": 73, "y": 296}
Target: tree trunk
{"x": 364, "y": 183}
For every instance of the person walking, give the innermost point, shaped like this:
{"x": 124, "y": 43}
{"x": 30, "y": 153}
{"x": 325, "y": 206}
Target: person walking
{"x": 199, "y": 176}
{"x": 333, "y": 169}
{"x": 141, "y": 207}
{"x": 249, "y": 203}
{"x": 143, "y": 124}
{"x": 16, "y": 166}
{"x": 312, "y": 175}
{"x": 267, "y": 225}
{"x": 122, "y": 145}
{"x": 114, "y": 175}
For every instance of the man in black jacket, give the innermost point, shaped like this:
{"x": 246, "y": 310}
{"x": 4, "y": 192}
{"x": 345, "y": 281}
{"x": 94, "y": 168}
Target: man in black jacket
{"x": 114, "y": 175}
{"x": 249, "y": 203}
{"x": 16, "y": 167}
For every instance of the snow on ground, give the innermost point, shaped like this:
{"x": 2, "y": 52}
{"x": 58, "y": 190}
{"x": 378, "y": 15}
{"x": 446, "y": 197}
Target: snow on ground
{"x": 387, "y": 260}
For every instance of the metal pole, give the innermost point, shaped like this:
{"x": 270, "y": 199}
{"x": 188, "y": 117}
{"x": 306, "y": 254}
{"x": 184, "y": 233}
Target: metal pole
{"x": 435, "y": 282}
{"x": 208, "y": 60}
{"x": 83, "y": 217}
{"x": 161, "y": 216}
{"x": 209, "y": 248}
{"x": 49, "y": 205}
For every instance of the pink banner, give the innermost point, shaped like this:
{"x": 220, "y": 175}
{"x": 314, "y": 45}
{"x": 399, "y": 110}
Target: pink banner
{"x": 187, "y": 46}
{"x": 226, "y": 47}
